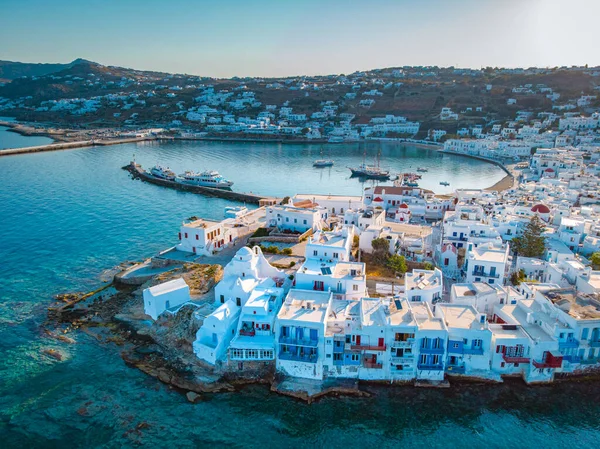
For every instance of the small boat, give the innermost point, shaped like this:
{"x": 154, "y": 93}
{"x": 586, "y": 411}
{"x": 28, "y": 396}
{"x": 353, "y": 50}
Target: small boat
{"x": 163, "y": 173}
{"x": 444, "y": 183}
{"x": 322, "y": 162}
{"x": 421, "y": 169}
{"x": 205, "y": 179}
{"x": 235, "y": 211}
{"x": 410, "y": 184}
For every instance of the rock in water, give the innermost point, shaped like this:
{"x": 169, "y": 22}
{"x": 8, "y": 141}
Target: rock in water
{"x": 193, "y": 397}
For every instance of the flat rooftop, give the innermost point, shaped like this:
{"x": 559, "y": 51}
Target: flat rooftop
{"x": 334, "y": 268}
{"x": 579, "y": 306}
{"x": 305, "y": 306}
{"x": 462, "y": 317}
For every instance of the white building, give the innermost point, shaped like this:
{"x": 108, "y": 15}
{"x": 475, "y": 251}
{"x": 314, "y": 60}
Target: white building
{"x": 423, "y": 285}
{"x": 213, "y": 338}
{"x": 167, "y": 295}
{"x": 247, "y": 270}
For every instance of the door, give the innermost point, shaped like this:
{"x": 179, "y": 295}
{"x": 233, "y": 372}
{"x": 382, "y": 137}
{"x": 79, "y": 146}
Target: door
{"x": 380, "y": 343}
{"x": 358, "y": 340}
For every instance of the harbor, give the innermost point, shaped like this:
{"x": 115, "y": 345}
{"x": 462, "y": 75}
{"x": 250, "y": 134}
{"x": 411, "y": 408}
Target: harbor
{"x": 138, "y": 172}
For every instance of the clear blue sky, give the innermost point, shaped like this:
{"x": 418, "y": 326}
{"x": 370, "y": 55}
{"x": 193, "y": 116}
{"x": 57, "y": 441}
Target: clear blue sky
{"x": 286, "y": 37}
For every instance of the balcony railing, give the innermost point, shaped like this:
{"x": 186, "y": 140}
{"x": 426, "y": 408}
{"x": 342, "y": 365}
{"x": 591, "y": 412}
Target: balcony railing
{"x": 572, "y": 358}
{"x": 297, "y": 342}
{"x": 595, "y": 344}
{"x": 483, "y": 274}
{"x": 372, "y": 365}
{"x": 439, "y": 350}
{"x": 554, "y": 363}
{"x": 248, "y": 332}
{"x": 515, "y": 359}
{"x": 430, "y": 367}
{"x": 473, "y": 351}
{"x": 402, "y": 344}
{"x": 402, "y": 360}
{"x": 309, "y": 358}
{"x": 568, "y": 343}
{"x": 367, "y": 347}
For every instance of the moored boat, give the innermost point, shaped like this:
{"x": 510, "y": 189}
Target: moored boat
{"x": 163, "y": 173}
{"x": 209, "y": 178}
{"x": 323, "y": 163}
{"x": 444, "y": 183}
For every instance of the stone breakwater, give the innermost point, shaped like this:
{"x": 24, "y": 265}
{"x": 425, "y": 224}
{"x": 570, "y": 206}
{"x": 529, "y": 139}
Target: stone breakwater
{"x": 139, "y": 173}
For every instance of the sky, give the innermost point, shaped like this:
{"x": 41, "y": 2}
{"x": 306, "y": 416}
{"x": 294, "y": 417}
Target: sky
{"x": 225, "y": 38}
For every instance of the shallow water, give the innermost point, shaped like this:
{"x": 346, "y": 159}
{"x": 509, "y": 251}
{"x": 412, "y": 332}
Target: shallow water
{"x": 9, "y": 139}
{"x": 66, "y": 216}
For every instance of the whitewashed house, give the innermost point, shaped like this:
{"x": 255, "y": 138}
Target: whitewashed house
{"x": 213, "y": 338}
{"x": 247, "y": 270}
{"x": 423, "y": 285}
{"x": 167, "y": 295}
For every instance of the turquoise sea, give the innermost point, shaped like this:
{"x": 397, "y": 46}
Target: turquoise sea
{"x": 66, "y": 216}
{"x": 9, "y": 139}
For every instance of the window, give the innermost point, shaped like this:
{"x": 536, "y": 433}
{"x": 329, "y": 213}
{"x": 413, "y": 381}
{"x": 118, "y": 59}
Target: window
{"x": 354, "y": 287}
{"x": 238, "y": 302}
{"x": 222, "y": 298}
{"x": 476, "y": 343}
{"x": 287, "y": 219}
{"x": 355, "y": 357}
{"x": 455, "y": 345}
{"x": 304, "y": 221}
{"x": 186, "y": 235}
{"x": 295, "y": 220}
{"x": 336, "y": 255}
{"x": 584, "y": 334}
{"x": 315, "y": 253}
{"x": 197, "y": 237}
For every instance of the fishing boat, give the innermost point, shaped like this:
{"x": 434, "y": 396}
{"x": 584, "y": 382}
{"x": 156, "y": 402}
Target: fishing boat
{"x": 421, "y": 169}
{"x": 410, "y": 184}
{"x": 208, "y": 178}
{"x": 444, "y": 183}
{"x": 370, "y": 171}
{"x": 163, "y": 173}
{"x": 323, "y": 162}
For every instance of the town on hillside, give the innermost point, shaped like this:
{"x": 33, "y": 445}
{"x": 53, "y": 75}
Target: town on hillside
{"x": 491, "y": 112}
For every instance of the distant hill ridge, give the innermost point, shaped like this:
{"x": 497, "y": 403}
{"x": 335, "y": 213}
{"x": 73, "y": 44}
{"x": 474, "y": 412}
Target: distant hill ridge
{"x": 10, "y": 70}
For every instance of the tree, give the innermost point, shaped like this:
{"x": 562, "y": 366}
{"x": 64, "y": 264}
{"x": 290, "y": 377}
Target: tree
{"x": 397, "y": 263}
{"x": 595, "y": 260}
{"x": 428, "y": 266}
{"x": 532, "y": 243}
{"x": 517, "y": 277}
{"x": 381, "y": 250}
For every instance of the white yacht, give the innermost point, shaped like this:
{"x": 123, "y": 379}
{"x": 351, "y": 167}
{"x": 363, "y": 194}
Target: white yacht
{"x": 163, "y": 173}
{"x": 205, "y": 179}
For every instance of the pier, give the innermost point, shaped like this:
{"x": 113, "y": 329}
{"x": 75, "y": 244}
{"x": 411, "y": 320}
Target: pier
{"x": 139, "y": 173}
{"x": 71, "y": 145}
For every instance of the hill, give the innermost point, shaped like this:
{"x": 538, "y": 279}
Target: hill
{"x": 10, "y": 70}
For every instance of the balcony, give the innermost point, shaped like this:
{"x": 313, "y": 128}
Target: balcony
{"x": 473, "y": 351}
{"x": 549, "y": 361}
{"x": 439, "y": 350}
{"x": 297, "y": 342}
{"x": 595, "y": 344}
{"x": 455, "y": 369}
{"x": 572, "y": 358}
{"x": 248, "y": 332}
{"x": 366, "y": 347}
{"x": 483, "y": 274}
{"x": 308, "y": 358}
{"x": 372, "y": 365}
{"x": 402, "y": 344}
{"x": 430, "y": 367}
{"x": 337, "y": 348}
{"x": 515, "y": 359}
{"x": 569, "y": 343}
{"x": 401, "y": 360}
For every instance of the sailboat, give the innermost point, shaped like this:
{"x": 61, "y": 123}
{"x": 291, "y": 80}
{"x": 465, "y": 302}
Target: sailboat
{"x": 370, "y": 171}
{"x": 322, "y": 162}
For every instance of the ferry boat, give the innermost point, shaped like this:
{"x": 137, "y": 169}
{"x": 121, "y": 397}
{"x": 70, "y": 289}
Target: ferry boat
{"x": 163, "y": 173}
{"x": 209, "y": 178}
{"x": 370, "y": 171}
